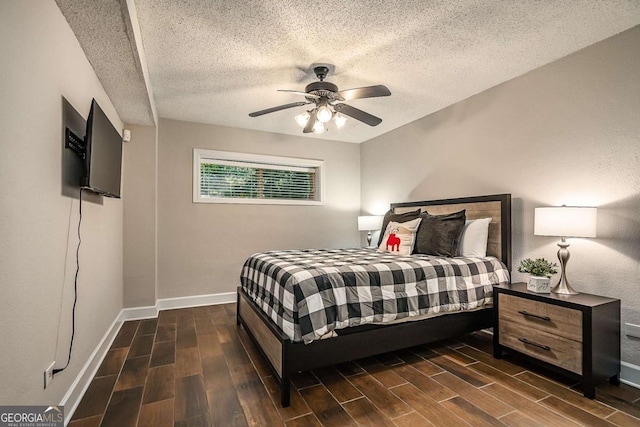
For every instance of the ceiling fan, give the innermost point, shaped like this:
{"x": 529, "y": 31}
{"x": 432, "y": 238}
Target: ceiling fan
{"x": 327, "y": 100}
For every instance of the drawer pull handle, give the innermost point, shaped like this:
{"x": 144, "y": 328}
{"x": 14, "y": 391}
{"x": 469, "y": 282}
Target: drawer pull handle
{"x": 526, "y": 341}
{"x": 526, "y": 313}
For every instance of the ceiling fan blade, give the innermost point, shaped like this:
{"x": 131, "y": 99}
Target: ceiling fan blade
{"x": 312, "y": 121}
{"x": 357, "y": 114}
{"x": 365, "y": 92}
{"x": 298, "y": 92}
{"x": 278, "y": 108}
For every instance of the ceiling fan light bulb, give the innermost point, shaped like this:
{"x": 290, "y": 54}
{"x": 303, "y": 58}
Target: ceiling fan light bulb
{"x": 324, "y": 114}
{"x": 318, "y": 127}
{"x": 339, "y": 119}
{"x": 302, "y": 119}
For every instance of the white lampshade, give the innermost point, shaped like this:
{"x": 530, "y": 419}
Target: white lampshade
{"x": 318, "y": 127}
{"x": 369, "y": 222}
{"x": 324, "y": 114}
{"x": 339, "y": 119}
{"x": 302, "y": 119}
{"x": 565, "y": 221}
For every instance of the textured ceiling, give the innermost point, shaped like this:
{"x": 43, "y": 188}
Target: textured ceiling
{"x": 105, "y": 31}
{"x": 215, "y": 61}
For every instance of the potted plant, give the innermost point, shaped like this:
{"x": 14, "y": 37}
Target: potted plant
{"x": 540, "y": 271}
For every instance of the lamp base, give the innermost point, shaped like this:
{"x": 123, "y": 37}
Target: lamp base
{"x": 563, "y": 287}
{"x": 369, "y": 238}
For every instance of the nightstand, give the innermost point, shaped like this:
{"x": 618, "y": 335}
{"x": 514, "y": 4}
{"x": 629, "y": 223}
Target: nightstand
{"x": 575, "y": 335}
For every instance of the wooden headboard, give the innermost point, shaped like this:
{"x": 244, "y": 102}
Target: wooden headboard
{"x": 497, "y": 207}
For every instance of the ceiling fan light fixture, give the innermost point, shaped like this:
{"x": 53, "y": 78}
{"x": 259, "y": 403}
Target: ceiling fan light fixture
{"x": 324, "y": 114}
{"x": 339, "y": 120}
{"x": 319, "y": 128}
{"x": 302, "y": 119}
{"x": 323, "y": 95}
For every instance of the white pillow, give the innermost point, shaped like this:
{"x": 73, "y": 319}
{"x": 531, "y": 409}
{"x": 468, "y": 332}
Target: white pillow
{"x": 399, "y": 237}
{"x": 473, "y": 242}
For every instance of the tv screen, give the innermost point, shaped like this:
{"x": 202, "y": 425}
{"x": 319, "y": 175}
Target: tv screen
{"x": 103, "y": 154}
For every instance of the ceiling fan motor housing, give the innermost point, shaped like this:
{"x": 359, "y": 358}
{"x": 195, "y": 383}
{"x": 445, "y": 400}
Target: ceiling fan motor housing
{"x": 322, "y": 89}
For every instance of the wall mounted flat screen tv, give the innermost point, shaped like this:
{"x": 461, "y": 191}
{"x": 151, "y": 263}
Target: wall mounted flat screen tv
{"x": 103, "y": 154}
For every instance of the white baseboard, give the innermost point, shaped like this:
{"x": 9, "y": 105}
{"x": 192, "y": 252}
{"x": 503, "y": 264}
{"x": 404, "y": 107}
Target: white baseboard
{"x": 79, "y": 386}
{"x": 139, "y": 313}
{"x": 630, "y": 374}
{"x": 151, "y": 311}
{"x": 72, "y": 398}
{"x": 196, "y": 301}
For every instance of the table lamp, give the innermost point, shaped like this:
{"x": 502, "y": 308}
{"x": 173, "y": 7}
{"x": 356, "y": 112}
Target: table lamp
{"x": 369, "y": 223}
{"x": 565, "y": 221}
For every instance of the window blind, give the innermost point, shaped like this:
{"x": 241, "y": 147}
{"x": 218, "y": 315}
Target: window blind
{"x": 229, "y": 179}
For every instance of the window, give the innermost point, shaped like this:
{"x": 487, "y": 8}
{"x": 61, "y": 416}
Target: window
{"x": 226, "y": 177}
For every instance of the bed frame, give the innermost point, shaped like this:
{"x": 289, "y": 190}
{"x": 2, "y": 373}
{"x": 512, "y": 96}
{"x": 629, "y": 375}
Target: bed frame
{"x": 287, "y": 358}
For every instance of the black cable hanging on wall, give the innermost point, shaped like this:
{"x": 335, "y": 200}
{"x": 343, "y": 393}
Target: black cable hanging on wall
{"x": 75, "y": 288}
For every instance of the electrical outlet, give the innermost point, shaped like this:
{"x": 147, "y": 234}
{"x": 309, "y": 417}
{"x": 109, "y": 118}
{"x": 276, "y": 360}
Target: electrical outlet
{"x": 632, "y": 330}
{"x": 48, "y": 374}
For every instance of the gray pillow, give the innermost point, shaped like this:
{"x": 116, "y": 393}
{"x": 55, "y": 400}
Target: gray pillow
{"x": 439, "y": 234}
{"x": 403, "y": 217}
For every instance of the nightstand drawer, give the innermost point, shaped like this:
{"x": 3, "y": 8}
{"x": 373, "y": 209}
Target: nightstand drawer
{"x": 576, "y": 335}
{"x": 540, "y": 316}
{"x": 551, "y": 348}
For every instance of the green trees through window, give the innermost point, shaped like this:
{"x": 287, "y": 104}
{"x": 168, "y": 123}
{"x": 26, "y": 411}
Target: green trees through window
{"x": 225, "y": 181}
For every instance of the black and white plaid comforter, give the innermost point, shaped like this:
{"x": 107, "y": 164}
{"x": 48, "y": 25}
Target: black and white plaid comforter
{"x": 309, "y": 293}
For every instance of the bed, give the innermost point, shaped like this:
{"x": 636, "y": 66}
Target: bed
{"x": 343, "y": 330}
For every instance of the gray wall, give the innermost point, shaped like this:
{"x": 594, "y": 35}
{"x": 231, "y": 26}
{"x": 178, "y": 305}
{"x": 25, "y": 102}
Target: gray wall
{"x": 566, "y": 133}
{"x": 139, "y": 195}
{"x": 41, "y": 62}
{"x": 202, "y": 247}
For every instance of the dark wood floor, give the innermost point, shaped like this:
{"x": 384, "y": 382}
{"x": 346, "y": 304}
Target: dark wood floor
{"x": 195, "y": 367}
